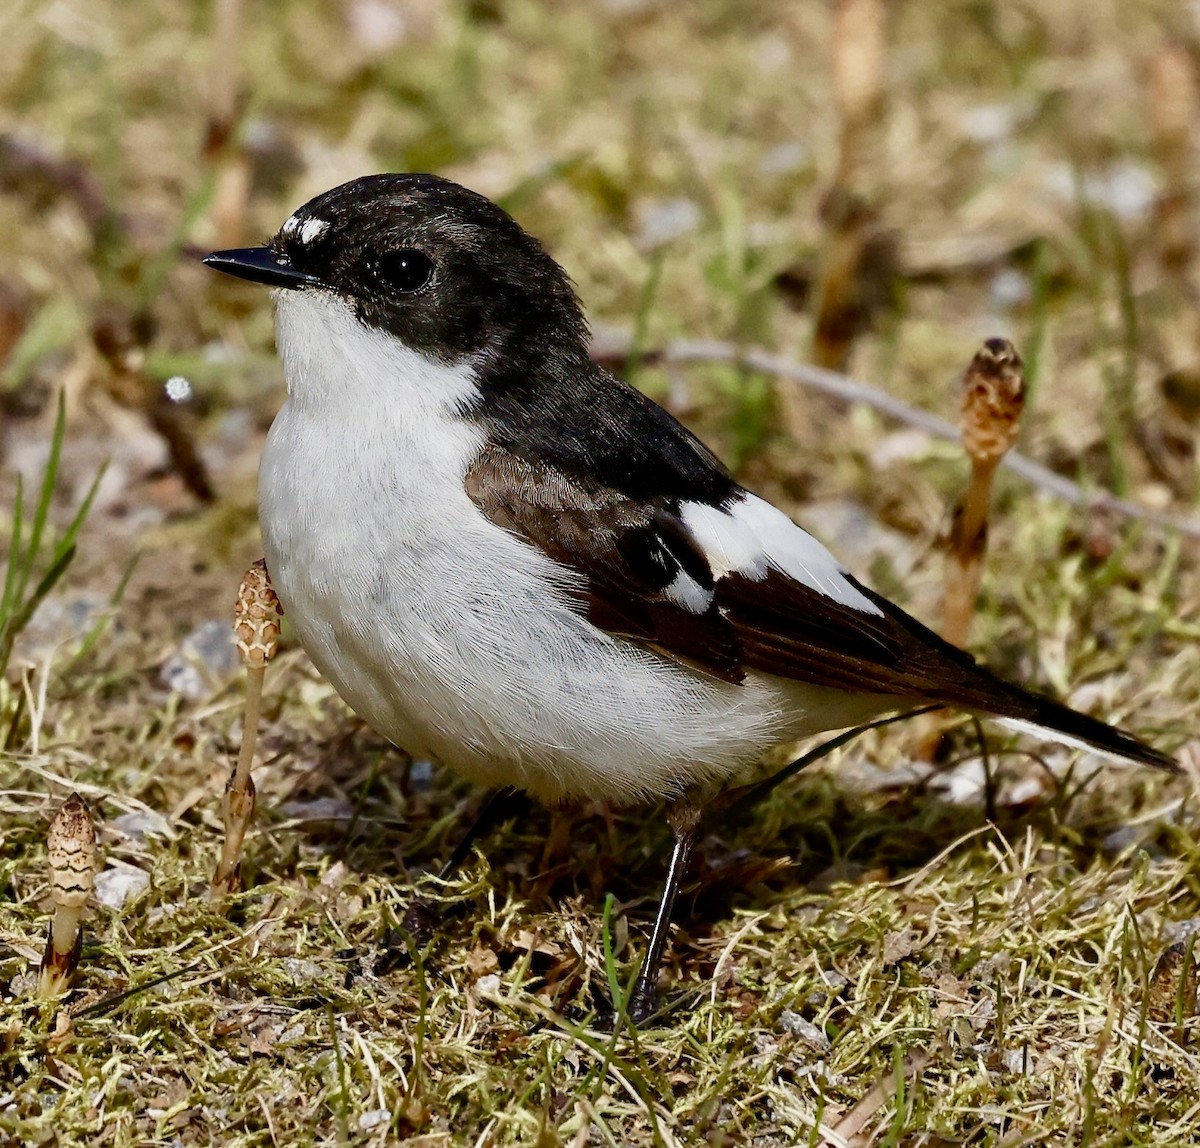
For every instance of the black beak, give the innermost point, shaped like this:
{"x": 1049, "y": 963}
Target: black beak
{"x": 259, "y": 265}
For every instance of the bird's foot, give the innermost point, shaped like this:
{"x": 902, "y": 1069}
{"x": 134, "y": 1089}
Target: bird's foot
{"x": 643, "y": 1004}
{"x": 421, "y": 921}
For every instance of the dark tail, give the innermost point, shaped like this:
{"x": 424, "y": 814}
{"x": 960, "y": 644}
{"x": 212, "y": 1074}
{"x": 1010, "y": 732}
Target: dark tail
{"x": 1037, "y": 713}
{"x": 907, "y": 658}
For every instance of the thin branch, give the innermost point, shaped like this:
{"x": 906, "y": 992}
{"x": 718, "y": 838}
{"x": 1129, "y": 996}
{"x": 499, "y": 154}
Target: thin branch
{"x": 612, "y": 347}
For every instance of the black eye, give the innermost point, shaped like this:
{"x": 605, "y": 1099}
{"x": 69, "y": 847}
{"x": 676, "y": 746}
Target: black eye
{"x": 405, "y": 270}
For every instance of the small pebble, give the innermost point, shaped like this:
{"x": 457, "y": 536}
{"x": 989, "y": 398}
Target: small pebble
{"x": 1016, "y": 1061}
{"x": 119, "y": 884}
{"x": 784, "y": 159}
{"x": 1128, "y": 189}
{"x": 989, "y": 124}
{"x": 963, "y": 785}
{"x": 378, "y": 26}
{"x": 142, "y": 823}
{"x": 1179, "y": 932}
{"x": 319, "y": 809}
{"x": 420, "y": 774}
{"x": 303, "y": 971}
{"x": 206, "y": 656}
{"x": 1122, "y": 838}
{"x": 57, "y": 622}
{"x": 795, "y": 1025}
{"x": 1010, "y": 288}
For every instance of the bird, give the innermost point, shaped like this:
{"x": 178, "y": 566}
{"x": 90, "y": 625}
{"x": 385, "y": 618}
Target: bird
{"x": 507, "y": 559}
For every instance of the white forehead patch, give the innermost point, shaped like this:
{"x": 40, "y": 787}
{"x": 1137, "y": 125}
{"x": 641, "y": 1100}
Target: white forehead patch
{"x": 307, "y": 231}
{"x": 312, "y": 229}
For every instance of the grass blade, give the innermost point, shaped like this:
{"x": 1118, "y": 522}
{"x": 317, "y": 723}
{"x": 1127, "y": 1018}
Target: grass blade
{"x": 14, "y": 554}
{"x": 27, "y": 555}
{"x": 42, "y": 511}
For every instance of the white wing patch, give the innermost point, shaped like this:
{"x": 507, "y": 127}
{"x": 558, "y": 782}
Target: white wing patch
{"x": 728, "y": 543}
{"x": 752, "y": 536}
{"x": 685, "y": 591}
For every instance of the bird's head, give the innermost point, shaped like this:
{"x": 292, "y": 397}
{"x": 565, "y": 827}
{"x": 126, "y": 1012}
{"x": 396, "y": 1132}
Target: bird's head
{"x": 442, "y": 269}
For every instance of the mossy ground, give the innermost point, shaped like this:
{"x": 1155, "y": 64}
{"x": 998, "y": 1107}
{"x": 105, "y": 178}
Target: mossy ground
{"x": 863, "y": 959}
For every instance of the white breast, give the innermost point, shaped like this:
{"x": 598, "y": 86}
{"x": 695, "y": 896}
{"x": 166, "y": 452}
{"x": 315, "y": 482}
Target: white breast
{"x": 449, "y": 635}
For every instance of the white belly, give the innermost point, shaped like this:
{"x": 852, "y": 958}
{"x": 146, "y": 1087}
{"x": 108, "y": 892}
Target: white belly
{"x": 482, "y": 664}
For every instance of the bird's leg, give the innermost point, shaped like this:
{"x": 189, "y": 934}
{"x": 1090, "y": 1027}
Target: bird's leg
{"x": 500, "y": 804}
{"x": 684, "y": 819}
{"x": 554, "y": 849}
{"x": 256, "y": 625}
{"x": 562, "y": 821}
{"x": 420, "y": 918}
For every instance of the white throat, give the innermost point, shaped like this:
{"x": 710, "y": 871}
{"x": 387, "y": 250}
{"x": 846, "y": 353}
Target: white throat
{"x": 366, "y": 459}
{"x": 332, "y": 361}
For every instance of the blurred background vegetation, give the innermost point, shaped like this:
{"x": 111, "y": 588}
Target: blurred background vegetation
{"x": 1021, "y": 170}
{"x": 876, "y": 187}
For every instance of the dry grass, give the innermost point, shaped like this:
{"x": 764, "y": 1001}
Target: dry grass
{"x": 863, "y": 960}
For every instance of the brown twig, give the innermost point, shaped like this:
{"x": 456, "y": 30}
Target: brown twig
{"x": 222, "y": 148}
{"x": 14, "y": 318}
{"x": 848, "y": 1130}
{"x": 121, "y": 341}
{"x": 1173, "y": 108}
{"x": 1172, "y": 97}
{"x": 993, "y": 398}
{"x": 256, "y": 624}
{"x": 72, "y": 847}
{"x": 613, "y": 349}
{"x": 858, "y": 48}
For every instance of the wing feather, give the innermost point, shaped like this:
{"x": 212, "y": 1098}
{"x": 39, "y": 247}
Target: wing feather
{"x": 630, "y": 556}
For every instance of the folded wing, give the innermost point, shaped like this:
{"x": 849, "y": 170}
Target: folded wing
{"x": 738, "y": 586}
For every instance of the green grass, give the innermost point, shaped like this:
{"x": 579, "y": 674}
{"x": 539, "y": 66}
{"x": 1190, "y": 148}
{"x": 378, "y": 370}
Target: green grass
{"x": 860, "y": 951}
{"x": 36, "y": 562}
